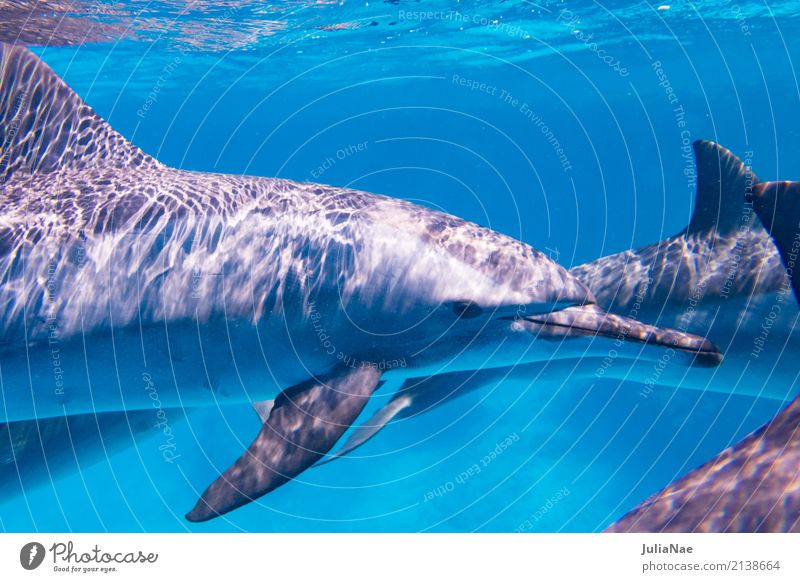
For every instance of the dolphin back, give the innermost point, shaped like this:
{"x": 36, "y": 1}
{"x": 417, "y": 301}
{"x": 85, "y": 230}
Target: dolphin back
{"x": 723, "y": 252}
{"x": 753, "y": 486}
{"x": 778, "y": 206}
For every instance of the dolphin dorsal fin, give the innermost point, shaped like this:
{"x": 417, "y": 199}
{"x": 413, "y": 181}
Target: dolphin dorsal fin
{"x": 45, "y": 126}
{"x": 778, "y": 206}
{"x": 723, "y": 181}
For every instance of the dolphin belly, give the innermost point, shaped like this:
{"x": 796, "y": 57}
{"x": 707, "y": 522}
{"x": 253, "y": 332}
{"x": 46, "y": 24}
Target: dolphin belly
{"x": 183, "y": 365}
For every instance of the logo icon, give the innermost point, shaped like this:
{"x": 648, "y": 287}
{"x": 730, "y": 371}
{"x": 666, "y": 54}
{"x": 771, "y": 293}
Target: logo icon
{"x": 31, "y": 555}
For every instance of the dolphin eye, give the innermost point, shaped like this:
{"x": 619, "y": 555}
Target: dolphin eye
{"x": 467, "y": 309}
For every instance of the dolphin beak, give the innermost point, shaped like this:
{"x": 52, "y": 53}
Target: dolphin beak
{"x": 591, "y": 321}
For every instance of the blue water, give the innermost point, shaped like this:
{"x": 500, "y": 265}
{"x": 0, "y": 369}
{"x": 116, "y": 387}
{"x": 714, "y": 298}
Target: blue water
{"x": 446, "y": 104}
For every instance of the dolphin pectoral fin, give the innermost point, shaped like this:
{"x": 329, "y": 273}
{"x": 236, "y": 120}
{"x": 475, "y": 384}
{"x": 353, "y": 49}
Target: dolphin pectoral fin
{"x": 722, "y": 183}
{"x": 263, "y": 409}
{"x": 304, "y": 423}
{"x": 778, "y": 206}
{"x": 372, "y": 427}
{"x": 590, "y": 320}
{"x": 417, "y": 396}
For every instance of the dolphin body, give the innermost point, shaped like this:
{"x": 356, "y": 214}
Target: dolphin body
{"x": 40, "y": 451}
{"x": 124, "y": 281}
{"x": 721, "y": 277}
{"x": 754, "y": 486}
{"x": 55, "y": 23}
{"x": 723, "y": 238}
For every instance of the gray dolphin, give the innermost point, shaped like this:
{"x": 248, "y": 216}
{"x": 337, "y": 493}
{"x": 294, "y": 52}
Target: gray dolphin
{"x": 123, "y": 281}
{"x": 40, "y": 451}
{"x": 721, "y": 277}
{"x": 754, "y": 486}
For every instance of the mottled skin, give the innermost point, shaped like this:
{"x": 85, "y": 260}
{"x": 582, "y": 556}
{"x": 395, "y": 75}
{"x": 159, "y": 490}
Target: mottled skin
{"x": 721, "y": 277}
{"x": 115, "y": 244}
{"x": 280, "y": 247}
{"x": 243, "y": 274}
{"x": 754, "y": 486}
{"x": 778, "y": 206}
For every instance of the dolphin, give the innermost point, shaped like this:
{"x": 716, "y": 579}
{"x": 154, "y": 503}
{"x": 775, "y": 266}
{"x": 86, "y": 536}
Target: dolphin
{"x": 778, "y": 207}
{"x": 753, "y": 486}
{"x": 40, "y": 451}
{"x": 124, "y": 281}
{"x": 720, "y": 277}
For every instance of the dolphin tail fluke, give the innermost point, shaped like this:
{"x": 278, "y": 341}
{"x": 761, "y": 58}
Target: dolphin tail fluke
{"x": 723, "y": 181}
{"x": 778, "y": 207}
{"x": 303, "y": 425}
{"x": 45, "y": 126}
{"x": 590, "y": 320}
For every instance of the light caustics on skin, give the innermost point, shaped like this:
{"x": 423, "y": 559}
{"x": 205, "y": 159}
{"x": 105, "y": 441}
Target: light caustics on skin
{"x": 727, "y": 251}
{"x": 753, "y": 486}
{"x": 213, "y": 288}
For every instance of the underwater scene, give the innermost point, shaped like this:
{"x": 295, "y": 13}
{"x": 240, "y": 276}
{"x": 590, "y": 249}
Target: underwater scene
{"x": 564, "y": 296}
